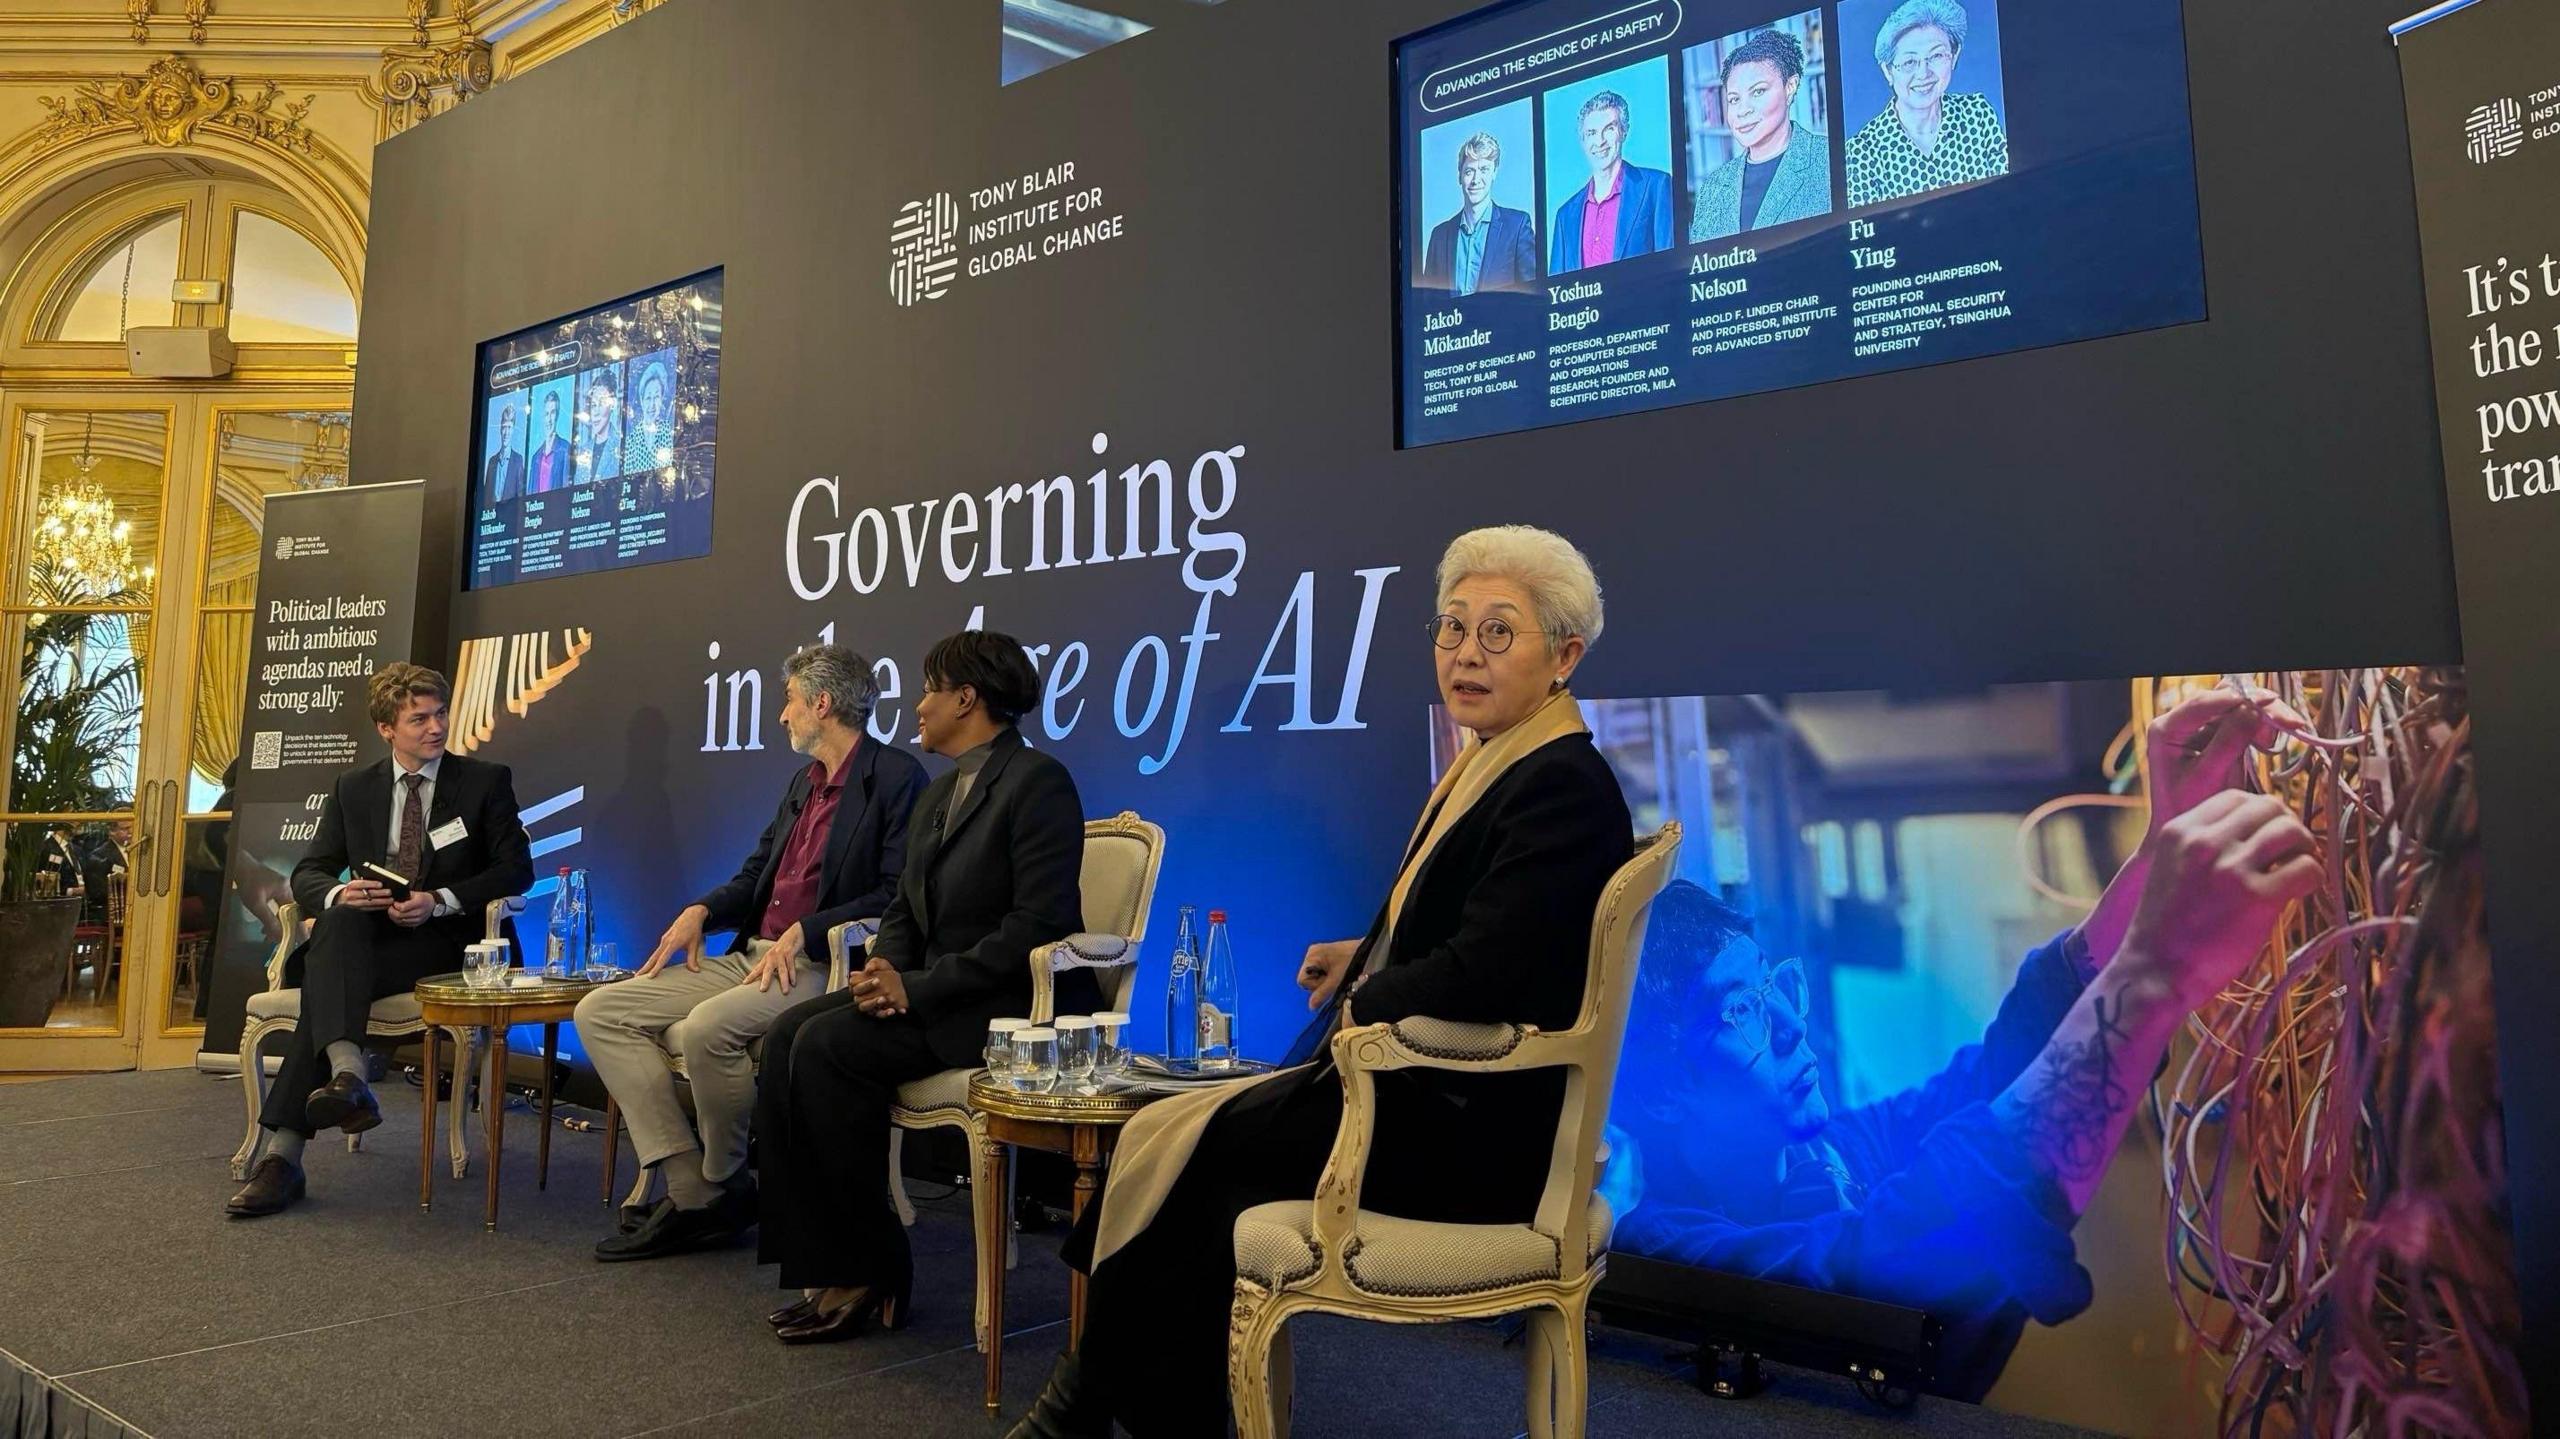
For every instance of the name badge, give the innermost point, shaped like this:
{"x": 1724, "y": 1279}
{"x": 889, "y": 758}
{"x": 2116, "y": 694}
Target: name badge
{"x": 447, "y": 834}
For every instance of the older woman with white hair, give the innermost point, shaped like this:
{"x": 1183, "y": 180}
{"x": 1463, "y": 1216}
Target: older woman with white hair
{"x": 1487, "y": 920}
{"x": 1926, "y": 138}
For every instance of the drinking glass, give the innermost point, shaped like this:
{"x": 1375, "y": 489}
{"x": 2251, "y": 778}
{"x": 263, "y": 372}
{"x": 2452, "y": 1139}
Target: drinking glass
{"x": 1076, "y": 1053}
{"x": 999, "y": 1050}
{"x": 1110, "y": 1056}
{"x": 604, "y": 963}
{"x": 484, "y": 965}
{"x": 1035, "y": 1060}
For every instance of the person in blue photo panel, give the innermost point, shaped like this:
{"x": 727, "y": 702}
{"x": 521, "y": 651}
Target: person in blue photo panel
{"x": 1957, "y": 1196}
{"x": 502, "y": 472}
{"x": 598, "y": 443}
{"x": 1927, "y": 136}
{"x": 1486, "y": 245}
{"x": 650, "y": 446}
{"x": 1621, "y": 209}
{"x": 1780, "y": 169}
{"x": 554, "y": 402}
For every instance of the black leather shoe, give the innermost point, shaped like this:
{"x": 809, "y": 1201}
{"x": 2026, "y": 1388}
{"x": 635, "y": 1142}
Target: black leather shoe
{"x": 829, "y": 1326}
{"x": 272, "y": 1188}
{"x": 1066, "y": 1409}
{"x": 669, "y": 1230}
{"x": 738, "y": 1200}
{"x": 345, "y": 1102}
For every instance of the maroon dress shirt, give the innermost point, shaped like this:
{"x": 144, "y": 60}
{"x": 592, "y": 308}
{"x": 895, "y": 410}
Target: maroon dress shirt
{"x": 797, "y": 879}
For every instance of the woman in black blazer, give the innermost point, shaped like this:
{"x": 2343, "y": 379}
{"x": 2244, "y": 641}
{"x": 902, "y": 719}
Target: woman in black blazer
{"x": 1488, "y": 921}
{"x": 994, "y": 853}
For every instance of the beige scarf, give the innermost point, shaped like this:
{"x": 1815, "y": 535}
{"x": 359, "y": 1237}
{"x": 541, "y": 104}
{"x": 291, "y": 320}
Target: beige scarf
{"x": 1159, "y": 1140}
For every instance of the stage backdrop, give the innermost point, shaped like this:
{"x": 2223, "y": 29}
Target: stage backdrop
{"x": 1106, "y": 359}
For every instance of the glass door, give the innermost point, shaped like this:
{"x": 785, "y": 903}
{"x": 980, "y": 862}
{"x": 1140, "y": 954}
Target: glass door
{"x": 91, "y": 492}
{"x": 132, "y": 541}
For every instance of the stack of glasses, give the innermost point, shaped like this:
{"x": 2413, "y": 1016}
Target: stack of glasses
{"x": 488, "y": 964}
{"x": 1079, "y": 1053}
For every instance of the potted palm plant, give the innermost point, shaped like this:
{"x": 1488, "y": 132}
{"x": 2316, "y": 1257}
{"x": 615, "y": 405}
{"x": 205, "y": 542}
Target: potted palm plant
{"x": 79, "y": 711}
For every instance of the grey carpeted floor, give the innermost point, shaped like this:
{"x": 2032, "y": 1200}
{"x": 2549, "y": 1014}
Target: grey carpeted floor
{"x": 359, "y": 1313}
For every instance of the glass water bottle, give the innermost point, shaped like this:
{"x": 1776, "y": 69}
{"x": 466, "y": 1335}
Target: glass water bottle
{"x": 1220, "y": 991}
{"x": 1182, "y": 994}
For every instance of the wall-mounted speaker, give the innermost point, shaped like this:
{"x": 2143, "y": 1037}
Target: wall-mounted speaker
{"x": 178, "y": 352}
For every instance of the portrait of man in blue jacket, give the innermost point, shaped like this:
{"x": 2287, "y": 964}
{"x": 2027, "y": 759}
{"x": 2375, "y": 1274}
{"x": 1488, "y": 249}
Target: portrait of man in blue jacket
{"x": 1484, "y": 246}
{"x": 1625, "y": 209}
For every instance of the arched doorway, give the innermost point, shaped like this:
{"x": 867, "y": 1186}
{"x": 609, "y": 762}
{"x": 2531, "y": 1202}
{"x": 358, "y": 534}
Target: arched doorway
{"x": 130, "y": 531}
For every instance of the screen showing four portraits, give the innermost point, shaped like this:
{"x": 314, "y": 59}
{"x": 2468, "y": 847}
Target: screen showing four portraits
{"x": 1608, "y": 207}
{"x": 595, "y": 438}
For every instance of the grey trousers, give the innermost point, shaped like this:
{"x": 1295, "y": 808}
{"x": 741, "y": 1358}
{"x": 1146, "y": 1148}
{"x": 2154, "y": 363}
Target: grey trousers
{"x": 709, "y": 1020}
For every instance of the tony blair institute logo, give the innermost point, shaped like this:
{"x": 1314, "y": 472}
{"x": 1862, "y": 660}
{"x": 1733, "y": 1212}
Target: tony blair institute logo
{"x": 924, "y": 249}
{"x": 2493, "y": 132}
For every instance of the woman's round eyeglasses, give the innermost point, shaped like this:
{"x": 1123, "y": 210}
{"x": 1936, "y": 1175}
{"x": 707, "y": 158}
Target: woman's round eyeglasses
{"x": 1493, "y": 634}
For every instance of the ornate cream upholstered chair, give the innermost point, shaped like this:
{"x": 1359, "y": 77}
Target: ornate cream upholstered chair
{"x": 1122, "y": 856}
{"x": 279, "y": 1009}
{"x": 1328, "y": 1255}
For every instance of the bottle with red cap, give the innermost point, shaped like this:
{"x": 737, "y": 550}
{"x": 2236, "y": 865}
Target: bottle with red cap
{"x": 1220, "y": 989}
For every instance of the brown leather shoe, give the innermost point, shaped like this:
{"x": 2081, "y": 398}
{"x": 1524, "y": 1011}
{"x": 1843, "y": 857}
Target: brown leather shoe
{"x": 272, "y": 1188}
{"x": 830, "y": 1326}
{"x": 345, "y": 1102}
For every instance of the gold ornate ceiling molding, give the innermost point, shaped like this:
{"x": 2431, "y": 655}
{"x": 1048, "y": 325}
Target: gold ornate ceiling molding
{"x": 140, "y": 12}
{"x": 626, "y": 10}
{"x": 168, "y": 103}
{"x": 421, "y": 80}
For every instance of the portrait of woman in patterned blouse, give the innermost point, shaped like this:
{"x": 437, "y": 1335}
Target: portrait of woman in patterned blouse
{"x": 1927, "y": 138}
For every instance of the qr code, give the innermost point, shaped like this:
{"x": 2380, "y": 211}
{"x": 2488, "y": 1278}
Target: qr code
{"x": 266, "y": 749}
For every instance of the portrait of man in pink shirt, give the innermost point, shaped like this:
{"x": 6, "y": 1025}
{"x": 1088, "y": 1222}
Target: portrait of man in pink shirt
{"x": 1621, "y": 209}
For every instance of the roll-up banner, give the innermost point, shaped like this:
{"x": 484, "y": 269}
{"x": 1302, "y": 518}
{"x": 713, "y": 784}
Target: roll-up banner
{"x": 337, "y": 599}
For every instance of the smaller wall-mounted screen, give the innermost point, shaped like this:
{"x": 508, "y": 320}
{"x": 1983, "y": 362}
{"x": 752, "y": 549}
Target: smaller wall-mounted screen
{"x": 1605, "y": 207}
{"x": 595, "y": 438}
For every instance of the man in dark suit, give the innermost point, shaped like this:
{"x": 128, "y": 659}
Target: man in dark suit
{"x": 502, "y": 478}
{"x": 993, "y": 875}
{"x": 832, "y": 854}
{"x": 1624, "y": 211}
{"x": 60, "y": 857}
{"x": 1484, "y": 246}
{"x": 551, "y": 464}
{"x": 449, "y": 827}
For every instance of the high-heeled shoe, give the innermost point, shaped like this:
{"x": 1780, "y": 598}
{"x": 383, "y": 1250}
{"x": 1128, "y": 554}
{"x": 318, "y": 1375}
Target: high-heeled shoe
{"x": 829, "y": 1326}
{"x": 797, "y": 1311}
{"x": 1068, "y": 1407}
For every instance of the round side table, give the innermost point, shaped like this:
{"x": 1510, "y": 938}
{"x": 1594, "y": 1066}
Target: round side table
{"x": 447, "y": 1001}
{"x": 1083, "y": 1127}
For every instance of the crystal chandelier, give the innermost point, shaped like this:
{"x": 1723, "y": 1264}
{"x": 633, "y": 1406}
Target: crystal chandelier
{"x": 80, "y": 533}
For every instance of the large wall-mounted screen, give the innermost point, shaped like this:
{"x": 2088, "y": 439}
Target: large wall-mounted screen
{"x": 596, "y": 435}
{"x": 1607, "y": 207}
